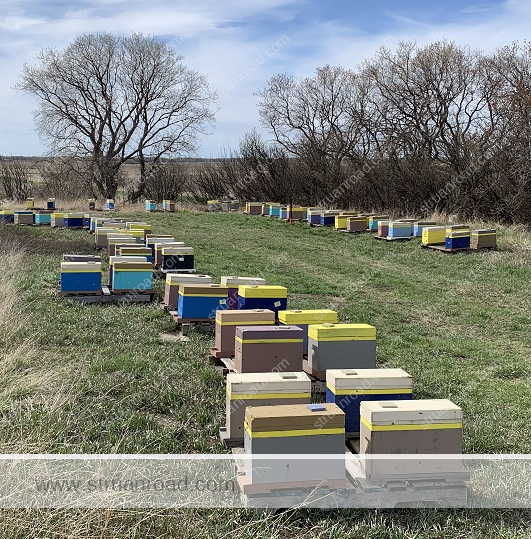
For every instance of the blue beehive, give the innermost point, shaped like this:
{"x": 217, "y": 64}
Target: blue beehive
{"x": 130, "y": 276}
{"x": 274, "y": 298}
{"x": 7, "y": 216}
{"x": 74, "y": 220}
{"x": 24, "y": 217}
{"x": 109, "y": 204}
{"x": 457, "y": 239}
{"x": 375, "y": 219}
{"x": 274, "y": 210}
{"x": 80, "y": 277}
{"x": 398, "y": 229}
{"x": 349, "y": 388}
{"x": 43, "y": 218}
{"x": 201, "y": 300}
{"x": 314, "y": 217}
{"x": 151, "y": 205}
{"x": 328, "y": 219}
{"x": 50, "y": 204}
{"x": 419, "y": 226}
{"x": 153, "y": 239}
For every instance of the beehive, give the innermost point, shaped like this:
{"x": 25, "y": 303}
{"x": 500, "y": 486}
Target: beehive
{"x": 314, "y": 216}
{"x": 58, "y": 220}
{"x": 120, "y": 258}
{"x": 92, "y": 204}
{"x": 274, "y": 298}
{"x": 140, "y": 226}
{"x": 114, "y": 239}
{"x": 129, "y": 276}
{"x": 274, "y": 209}
{"x": 328, "y": 218}
{"x": 227, "y": 321}
{"x": 50, "y": 204}
{"x": 419, "y": 226}
{"x": 367, "y": 218}
{"x": 168, "y": 205}
{"x": 74, "y": 220}
{"x": 340, "y": 221}
{"x": 157, "y": 249}
{"x": 268, "y": 349}
{"x": 341, "y": 346}
{"x": 483, "y": 239}
{"x": 433, "y": 235}
{"x": 375, "y": 219}
{"x": 177, "y": 259}
{"x": 151, "y": 205}
{"x": 348, "y": 388}
{"x": 86, "y": 220}
{"x": 265, "y": 208}
{"x": 43, "y": 217}
{"x": 23, "y": 217}
{"x": 109, "y": 204}
{"x": 253, "y": 208}
{"x": 357, "y": 224}
{"x": 457, "y": 239}
{"x": 30, "y": 203}
{"x": 174, "y": 280}
{"x": 383, "y": 229}
{"x": 101, "y": 236}
{"x": 234, "y": 282}
{"x": 398, "y": 229}
{"x": 153, "y": 239}
{"x": 410, "y": 427}
{"x": 79, "y": 277}
{"x": 262, "y": 389}
{"x": 201, "y": 301}
{"x": 135, "y": 250}
{"x": 296, "y": 429}
{"x": 7, "y": 216}
{"x": 303, "y": 318}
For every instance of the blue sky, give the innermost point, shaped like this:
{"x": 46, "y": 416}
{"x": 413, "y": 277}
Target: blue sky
{"x": 222, "y": 39}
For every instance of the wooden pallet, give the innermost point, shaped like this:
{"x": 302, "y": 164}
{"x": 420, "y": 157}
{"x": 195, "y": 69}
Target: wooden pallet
{"x": 355, "y": 231}
{"x": 80, "y": 293}
{"x": 204, "y": 325}
{"x": 443, "y": 249}
{"x": 229, "y": 442}
{"x": 108, "y": 296}
{"x": 387, "y": 238}
{"x": 224, "y": 365}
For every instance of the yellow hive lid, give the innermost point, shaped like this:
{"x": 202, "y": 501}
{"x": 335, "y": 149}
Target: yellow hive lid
{"x": 262, "y": 291}
{"x": 373, "y": 381}
{"x": 7, "y": 212}
{"x": 307, "y": 316}
{"x": 341, "y": 332}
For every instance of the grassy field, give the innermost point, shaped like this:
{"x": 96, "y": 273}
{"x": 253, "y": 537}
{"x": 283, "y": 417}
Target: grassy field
{"x": 100, "y": 379}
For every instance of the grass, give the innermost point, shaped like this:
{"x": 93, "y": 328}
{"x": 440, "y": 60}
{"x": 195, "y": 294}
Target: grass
{"x": 100, "y": 379}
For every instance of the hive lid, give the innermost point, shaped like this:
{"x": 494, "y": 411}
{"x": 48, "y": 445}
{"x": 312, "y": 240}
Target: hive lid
{"x": 359, "y": 218}
{"x": 245, "y": 316}
{"x": 294, "y": 417}
{"x": 262, "y": 291}
{"x": 75, "y": 215}
{"x": 186, "y": 278}
{"x": 174, "y": 250}
{"x": 159, "y": 245}
{"x": 424, "y": 223}
{"x": 339, "y": 332}
{"x": 161, "y": 236}
{"x": 261, "y": 384}
{"x": 269, "y": 333}
{"x": 484, "y": 232}
{"x": 307, "y": 316}
{"x": 126, "y": 265}
{"x": 233, "y": 280}
{"x": 410, "y": 412}
{"x": 81, "y": 267}
{"x": 203, "y": 289}
{"x": 121, "y": 258}
{"x": 367, "y": 380}
{"x": 134, "y": 249}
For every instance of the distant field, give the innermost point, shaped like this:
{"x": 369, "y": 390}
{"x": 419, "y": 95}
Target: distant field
{"x": 93, "y": 379}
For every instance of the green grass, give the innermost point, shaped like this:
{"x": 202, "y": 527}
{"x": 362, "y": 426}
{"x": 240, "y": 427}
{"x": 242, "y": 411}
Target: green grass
{"x": 101, "y": 379}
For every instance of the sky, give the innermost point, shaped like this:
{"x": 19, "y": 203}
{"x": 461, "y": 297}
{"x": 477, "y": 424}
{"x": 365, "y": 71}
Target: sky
{"x": 225, "y": 39}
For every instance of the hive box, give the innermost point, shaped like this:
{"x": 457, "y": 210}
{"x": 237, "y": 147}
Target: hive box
{"x": 23, "y": 217}
{"x": 134, "y": 250}
{"x": 114, "y": 239}
{"x": 151, "y": 205}
{"x": 303, "y": 318}
{"x": 274, "y": 298}
{"x": 168, "y": 205}
{"x": 348, "y": 388}
{"x": 100, "y": 236}
{"x": 119, "y": 258}
{"x": 262, "y": 389}
{"x": 201, "y": 300}
{"x": 137, "y": 233}
{"x": 132, "y": 276}
{"x": 81, "y": 258}
{"x": 433, "y": 235}
{"x": 43, "y": 218}
{"x": 174, "y": 280}
{"x": 419, "y": 226}
{"x": 253, "y": 207}
{"x": 50, "y": 204}
{"x": 414, "y": 427}
{"x": 74, "y": 220}
{"x": 328, "y": 218}
{"x": 86, "y": 220}
{"x": 458, "y": 239}
{"x": 30, "y": 203}
{"x": 233, "y": 283}
{"x": 375, "y": 219}
{"x": 159, "y": 245}
{"x": 177, "y": 259}
{"x": 140, "y": 226}
{"x": 367, "y": 218}
{"x": 340, "y": 221}
{"x": 109, "y": 204}
{"x": 7, "y": 216}
{"x": 81, "y": 277}
{"x": 314, "y": 216}
{"x": 58, "y": 220}
{"x": 294, "y": 429}
{"x": 341, "y": 346}
{"x": 483, "y": 239}
{"x": 268, "y": 349}
{"x": 274, "y": 209}
{"x": 153, "y": 239}
{"x": 357, "y": 224}
{"x": 398, "y": 229}
{"x": 227, "y": 321}
{"x": 455, "y": 228}
{"x": 265, "y": 208}
{"x": 383, "y": 229}
{"x": 92, "y": 204}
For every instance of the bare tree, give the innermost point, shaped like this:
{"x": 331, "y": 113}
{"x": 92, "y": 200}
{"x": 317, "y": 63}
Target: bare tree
{"x": 115, "y": 98}
{"x": 14, "y": 178}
